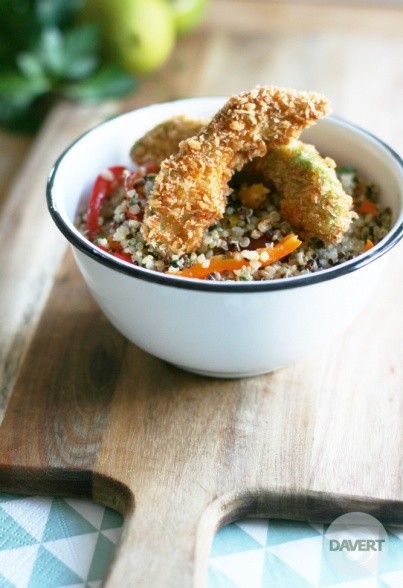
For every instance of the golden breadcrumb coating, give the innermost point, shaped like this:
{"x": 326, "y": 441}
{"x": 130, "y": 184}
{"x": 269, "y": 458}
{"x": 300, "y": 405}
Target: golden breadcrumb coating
{"x": 163, "y": 140}
{"x": 312, "y": 197}
{"x": 191, "y": 189}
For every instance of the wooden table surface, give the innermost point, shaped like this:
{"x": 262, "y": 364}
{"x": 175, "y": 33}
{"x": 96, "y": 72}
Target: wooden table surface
{"x": 352, "y": 53}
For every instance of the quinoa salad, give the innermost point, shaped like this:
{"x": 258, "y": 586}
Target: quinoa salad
{"x": 239, "y": 246}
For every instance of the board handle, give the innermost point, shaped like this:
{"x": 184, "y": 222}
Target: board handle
{"x": 167, "y": 535}
{"x": 165, "y": 543}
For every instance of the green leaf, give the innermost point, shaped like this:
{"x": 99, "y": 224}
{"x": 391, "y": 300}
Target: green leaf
{"x": 18, "y": 26}
{"x": 81, "y": 51}
{"x": 83, "y": 40}
{"x": 19, "y": 90}
{"x": 109, "y": 81}
{"x": 28, "y": 117}
{"x": 56, "y": 13}
{"x": 10, "y": 111}
{"x": 51, "y": 51}
{"x": 73, "y": 55}
{"x": 44, "y": 54}
{"x": 80, "y": 68}
{"x": 29, "y": 65}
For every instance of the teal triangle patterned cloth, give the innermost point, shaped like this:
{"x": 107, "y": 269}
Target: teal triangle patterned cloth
{"x": 55, "y": 542}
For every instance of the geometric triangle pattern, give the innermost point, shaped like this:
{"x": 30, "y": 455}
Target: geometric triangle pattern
{"x": 104, "y": 549}
{"x": 55, "y": 542}
{"x": 63, "y": 520}
{"x": 230, "y": 535}
{"x": 290, "y": 554}
{"x": 50, "y": 571}
{"x": 302, "y": 556}
{"x": 290, "y": 531}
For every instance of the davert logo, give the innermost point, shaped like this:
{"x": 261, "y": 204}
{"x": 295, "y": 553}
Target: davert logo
{"x": 355, "y": 544}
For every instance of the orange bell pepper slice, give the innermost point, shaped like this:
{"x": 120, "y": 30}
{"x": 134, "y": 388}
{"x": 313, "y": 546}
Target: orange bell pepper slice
{"x": 231, "y": 262}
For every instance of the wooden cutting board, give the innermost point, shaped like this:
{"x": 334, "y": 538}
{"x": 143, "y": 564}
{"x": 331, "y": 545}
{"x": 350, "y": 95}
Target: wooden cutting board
{"x": 91, "y": 415}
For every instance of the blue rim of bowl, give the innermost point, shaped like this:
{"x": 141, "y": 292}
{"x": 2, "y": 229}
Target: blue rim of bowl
{"x": 86, "y": 247}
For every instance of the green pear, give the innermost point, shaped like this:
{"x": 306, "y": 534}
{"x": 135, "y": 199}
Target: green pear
{"x": 188, "y": 14}
{"x": 138, "y": 34}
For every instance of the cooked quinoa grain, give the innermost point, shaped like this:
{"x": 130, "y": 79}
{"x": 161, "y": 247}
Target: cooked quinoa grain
{"x": 252, "y": 221}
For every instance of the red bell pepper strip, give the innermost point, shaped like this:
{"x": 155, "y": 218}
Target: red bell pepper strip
{"x": 119, "y": 254}
{"x": 123, "y": 256}
{"x": 103, "y": 187}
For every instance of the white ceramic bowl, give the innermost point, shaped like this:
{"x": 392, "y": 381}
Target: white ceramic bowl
{"x": 222, "y": 329}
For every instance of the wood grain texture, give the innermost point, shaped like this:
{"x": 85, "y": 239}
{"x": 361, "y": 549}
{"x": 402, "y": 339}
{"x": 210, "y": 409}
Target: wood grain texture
{"x": 31, "y": 246}
{"x": 91, "y": 415}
